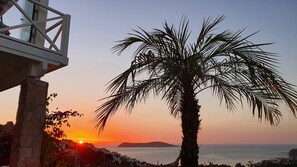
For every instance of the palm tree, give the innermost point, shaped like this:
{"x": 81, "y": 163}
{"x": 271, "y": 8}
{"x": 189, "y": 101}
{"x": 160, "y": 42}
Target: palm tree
{"x": 165, "y": 63}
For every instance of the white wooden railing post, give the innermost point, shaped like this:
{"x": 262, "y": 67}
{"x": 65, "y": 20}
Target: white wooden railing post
{"x": 65, "y": 35}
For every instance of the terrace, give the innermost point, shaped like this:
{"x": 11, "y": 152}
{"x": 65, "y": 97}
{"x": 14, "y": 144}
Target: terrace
{"x": 31, "y": 43}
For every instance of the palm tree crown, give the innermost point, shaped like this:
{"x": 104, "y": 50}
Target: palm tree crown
{"x": 166, "y": 64}
{"x": 233, "y": 67}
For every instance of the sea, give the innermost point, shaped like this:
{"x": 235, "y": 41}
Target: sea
{"x": 216, "y": 154}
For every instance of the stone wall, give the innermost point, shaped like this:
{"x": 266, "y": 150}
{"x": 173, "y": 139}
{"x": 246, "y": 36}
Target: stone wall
{"x": 30, "y": 119}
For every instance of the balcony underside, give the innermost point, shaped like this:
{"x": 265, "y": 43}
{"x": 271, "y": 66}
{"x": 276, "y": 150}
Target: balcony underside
{"x": 19, "y": 60}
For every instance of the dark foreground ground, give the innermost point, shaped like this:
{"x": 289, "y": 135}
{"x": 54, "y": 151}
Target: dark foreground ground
{"x": 277, "y": 162}
{"x": 86, "y": 155}
{"x": 91, "y": 156}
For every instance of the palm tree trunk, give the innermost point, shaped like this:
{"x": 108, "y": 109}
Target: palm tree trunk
{"x": 190, "y": 124}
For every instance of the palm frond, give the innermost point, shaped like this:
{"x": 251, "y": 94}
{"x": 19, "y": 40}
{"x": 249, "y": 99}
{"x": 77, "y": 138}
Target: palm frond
{"x": 207, "y": 27}
{"x": 165, "y": 63}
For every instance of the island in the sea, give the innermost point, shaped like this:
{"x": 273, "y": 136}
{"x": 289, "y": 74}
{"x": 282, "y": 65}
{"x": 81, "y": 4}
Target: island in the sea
{"x": 149, "y": 144}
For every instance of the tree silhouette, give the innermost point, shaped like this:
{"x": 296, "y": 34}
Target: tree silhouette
{"x": 165, "y": 63}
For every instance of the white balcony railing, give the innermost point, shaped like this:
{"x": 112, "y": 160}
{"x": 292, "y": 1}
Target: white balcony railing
{"x": 18, "y": 24}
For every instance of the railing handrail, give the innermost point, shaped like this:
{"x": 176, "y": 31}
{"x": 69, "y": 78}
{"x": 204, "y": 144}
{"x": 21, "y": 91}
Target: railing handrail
{"x": 63, "y": 20}
{"x": 29, "y": 44}
{"x": 47, "y": 7}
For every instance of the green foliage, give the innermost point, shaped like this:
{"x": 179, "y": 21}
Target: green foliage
{"x": 54, "y": 120}
{"x": 53, "y": 154}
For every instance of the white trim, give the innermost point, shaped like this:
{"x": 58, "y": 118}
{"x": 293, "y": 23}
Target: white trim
{"x": 28, "y": 50}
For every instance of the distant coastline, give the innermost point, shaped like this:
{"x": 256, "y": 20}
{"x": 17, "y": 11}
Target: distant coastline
{"x": 149, "y": 144}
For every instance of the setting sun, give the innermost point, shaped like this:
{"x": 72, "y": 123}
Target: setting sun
{"x": 82, "y": 137}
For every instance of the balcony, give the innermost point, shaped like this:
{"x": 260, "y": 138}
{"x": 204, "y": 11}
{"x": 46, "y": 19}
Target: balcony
{"x": 33, "y": 40}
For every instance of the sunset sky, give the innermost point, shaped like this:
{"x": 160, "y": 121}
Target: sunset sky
{"x": 97, "y": 24}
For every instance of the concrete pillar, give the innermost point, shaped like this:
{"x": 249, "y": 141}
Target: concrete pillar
{"x": 26, "y": 147}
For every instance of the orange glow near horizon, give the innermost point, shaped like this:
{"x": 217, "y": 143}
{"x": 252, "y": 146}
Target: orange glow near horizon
{"x": 82, "y": 137}
{"x": 92, "y": 65}
{"x": 143, "y": 126}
